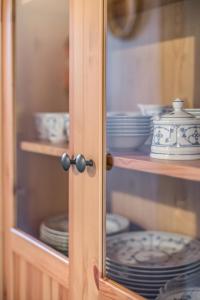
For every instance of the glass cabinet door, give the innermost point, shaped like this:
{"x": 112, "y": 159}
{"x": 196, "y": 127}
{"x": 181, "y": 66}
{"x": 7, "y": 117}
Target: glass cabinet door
{"x": 153, "y": 147}
{"x": 41, "y": 61}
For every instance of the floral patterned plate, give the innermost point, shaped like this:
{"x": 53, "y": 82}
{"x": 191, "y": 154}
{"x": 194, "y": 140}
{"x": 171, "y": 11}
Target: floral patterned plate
{"x": 153, "y": 250}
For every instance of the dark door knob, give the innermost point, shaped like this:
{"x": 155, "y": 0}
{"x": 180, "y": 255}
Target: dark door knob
{"x": 66, "y": 162}
{"x": 82, "y": 163}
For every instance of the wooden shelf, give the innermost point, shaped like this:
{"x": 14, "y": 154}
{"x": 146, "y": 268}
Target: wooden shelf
{"x": 189, "y": 170}
{"x": 43, "y": 148}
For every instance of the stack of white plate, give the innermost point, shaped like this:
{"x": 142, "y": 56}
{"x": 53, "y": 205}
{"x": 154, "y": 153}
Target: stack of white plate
{"x": 127, "y": 131}
{"x": 144, "y": 261}
{"x": 54, "y": 232}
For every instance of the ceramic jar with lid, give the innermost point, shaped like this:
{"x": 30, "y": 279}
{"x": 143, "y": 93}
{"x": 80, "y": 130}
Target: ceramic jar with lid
{"x": 176, "y": 135}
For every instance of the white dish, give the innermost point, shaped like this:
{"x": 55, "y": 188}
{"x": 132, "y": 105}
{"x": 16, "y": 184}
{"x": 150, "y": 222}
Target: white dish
{"x": 125, "y": 142}
{"x": 153, "y": 109}
{"x": 153, "y": 249}
{"x": 128, "y": 132}
{"x": 57, "y": 223}
{"x": 120, "y": 114}
{"x": 116, "y": 223}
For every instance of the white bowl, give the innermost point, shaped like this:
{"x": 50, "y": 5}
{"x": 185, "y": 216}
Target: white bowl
{"x": 194, "y": 111}
{"x": 133, "y": 126}
{"x": 132, "y": 133}
{"x": 126, "y": 142}
{"x": 153, "y": 109}
{"x": 52, "y": 126}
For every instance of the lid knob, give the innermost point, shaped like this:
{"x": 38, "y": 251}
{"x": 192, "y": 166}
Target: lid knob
{"x": 178, "y": 104}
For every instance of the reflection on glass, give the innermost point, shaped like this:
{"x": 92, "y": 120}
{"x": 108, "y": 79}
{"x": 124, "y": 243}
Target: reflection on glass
{"x": 153, "y": 134}
{"x": 42, "y": 120}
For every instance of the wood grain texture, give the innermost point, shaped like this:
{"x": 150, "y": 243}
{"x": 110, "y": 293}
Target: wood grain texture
{"x": 86, "y": 86}
{"x": 8, "y": 144}
{"x": 30, "y": 283}
{"x": 144, "y": 163}
{"x": 46, "y": 259}
{"x": 43, "y": 148}
{"x": 1, "y": 162}
{"x": 160, "y": 62}
{"x": 110, "y": 290}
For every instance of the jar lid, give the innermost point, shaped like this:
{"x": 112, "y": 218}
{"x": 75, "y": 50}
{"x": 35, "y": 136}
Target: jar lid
{"x": 178, "y": 111}
{"x": 178, "y": 116}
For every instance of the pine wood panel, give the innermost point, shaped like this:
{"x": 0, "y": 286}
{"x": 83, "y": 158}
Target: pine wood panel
{"x": 43, "y": 148}
{"x": 140, "y": 162}
{"x": 23, "y": 253}
{"x": 8, "y": 145}
{"x": 110, "y": 290}
{"x": 155, "y": 202}
{"x": 86, "y": 86}
{"x": 1, "y": 161}
{"x": 46, "y": 259}
{"x": 160, "y": 62}
{"x": 30, "y": 283}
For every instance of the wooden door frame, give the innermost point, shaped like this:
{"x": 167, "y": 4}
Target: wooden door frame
{"x": 15, "y": 241}
{"x": 87, "y": 107}
{"x": 1, "y": 161}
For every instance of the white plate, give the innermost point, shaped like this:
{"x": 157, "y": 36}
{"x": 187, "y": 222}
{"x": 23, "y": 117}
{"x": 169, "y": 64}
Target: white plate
{"x": 153, "y": 249}
{"x": 52, "y": 233}
{"x": 116, "y": 223}
{"x": 57, "y": 224}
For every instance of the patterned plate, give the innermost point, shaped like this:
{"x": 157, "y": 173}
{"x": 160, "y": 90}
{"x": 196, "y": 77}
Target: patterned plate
{"x": 153, "y": 250}
{"x": 184, "y": 294}
{"x": 53, "y": 235}
{"x": 141, "y": 271}
{"x": 147, "y": 279}
{"x": 57, "y": 224}
{"x": 116, "y": 223}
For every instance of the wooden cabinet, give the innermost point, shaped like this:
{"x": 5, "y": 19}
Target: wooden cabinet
{"x": 96, "y": 62}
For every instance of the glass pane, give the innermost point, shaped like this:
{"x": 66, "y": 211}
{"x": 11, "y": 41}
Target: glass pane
{"x": 152, "y": 187}
{"x": 41, "y": 56}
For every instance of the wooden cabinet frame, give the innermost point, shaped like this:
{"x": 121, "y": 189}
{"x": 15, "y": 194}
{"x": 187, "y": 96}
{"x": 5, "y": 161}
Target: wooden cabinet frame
{"x": 82, "y": 276}
{"x": 25, "y": 257}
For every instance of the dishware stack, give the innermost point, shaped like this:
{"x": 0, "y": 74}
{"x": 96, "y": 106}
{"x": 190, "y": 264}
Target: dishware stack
{"x": 54, "y": 232}
{"x": 186, "y": 287}
{"x": 127, "y": 131}
{"x": 52, "y": 127}
{"x": 144, "y": 261}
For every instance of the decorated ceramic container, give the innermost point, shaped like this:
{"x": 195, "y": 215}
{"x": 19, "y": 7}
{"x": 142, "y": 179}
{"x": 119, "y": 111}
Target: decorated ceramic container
{"x": 176, "y": 135}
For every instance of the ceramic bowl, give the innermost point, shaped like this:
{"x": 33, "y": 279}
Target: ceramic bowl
{"x": 194, "y": 111}
{"x": 53, "y": 127}
{"x": 126, "y": 141}
{"x": 153, "y": 109}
